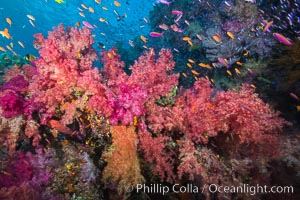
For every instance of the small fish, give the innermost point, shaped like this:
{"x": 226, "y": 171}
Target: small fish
{"x": 298, "y": 108}
{"x": 143, "y": 38}
{"x": 104, "y": 8}
{"x": 195, "y": 72}
{"x": 30, "y": 57}
{"x": 184, "y": 74}
{"x": 237, "y": 71}
{"x": 88, "y": 25}
{"x": 10, "y": 49}
{"x": 101, "y": 19}
{"x": 191, "y": 61}
{"x": 81, "y": 14}
{"x": 84, "y": 6}
{"x": 189, "y": 65}
{"x": 177, "y": 12}
{"x": 8, "y": 20}
{"x": 176, "y": 50}
{"x": 116, "y": 3}
{"x": 146, "y": 20}
{"x": 6, "y": 173}
{"x": 130, "y": 42}
{"x": 230, "y": 34}
{"x": 282, "y": 39}
{"x": 199, "y": 37}
{"x": 187, "y": 23}
{"x": 239, "y": 63}
{"x": 224, "y": 62}
{"x": 98, "y": 1}
{"x": 267, "y": 25}
{"x": 77, "y": 23}
{"x": 5, "y": 33}
{"x": 163, "y": 27}
{"x": 207, "y": 66}
{"x": 59, "y": 1}
{"x": 246, "y": 53}
{"x": 217, "y": 38}
{"x": 229, "y": 72}
{"x": 156, "y": 34}
{"x": 190, "y": 42}
{"x": 164, "y": 2}
{"x": 2, "y": 49}
{"x": 11, "y": 44}
{"x": 186, "y": 38}
{"x": 176, "y": 28}
{"x": 91, "y": 10}
{"x": 31, "y": 22}
{"x": 21, "y": 44}
{"x": 30, "y": 17}
{"x": 293, "y": 95}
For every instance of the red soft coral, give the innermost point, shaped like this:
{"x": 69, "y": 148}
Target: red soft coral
{"x": 154, "y": 75}
{"x": 156, "y": 153}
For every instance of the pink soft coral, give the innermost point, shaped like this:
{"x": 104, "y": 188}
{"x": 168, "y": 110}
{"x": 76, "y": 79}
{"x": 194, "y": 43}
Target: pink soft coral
{"x": 127, "y": 104}
{"x": 64, "y": 68}
{"x": 12, "y": 104}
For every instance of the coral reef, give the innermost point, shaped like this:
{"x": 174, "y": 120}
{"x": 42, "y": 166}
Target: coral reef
{"x": 94, "y": 130}
{"x": 123, "y": 165}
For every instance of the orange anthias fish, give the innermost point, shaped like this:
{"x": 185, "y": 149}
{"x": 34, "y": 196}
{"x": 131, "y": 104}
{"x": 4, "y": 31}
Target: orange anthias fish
{"x": 5, "y": 33}
{"x": 267, "y": 25}
{"x": 230, "y": 34}
{"x": 207, "y": 66}
{"x": 143, "y": 38}
{"x": 217, "y": 37}
{"x": 91, "y": 10}
{"x": 2, "y": 49}
{"x": 8, "y": 20}
{"x": 59, "y": 126}
{"x": 116, "y": 3}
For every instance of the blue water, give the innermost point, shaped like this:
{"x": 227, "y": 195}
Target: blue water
{"x": 49, "y": 13}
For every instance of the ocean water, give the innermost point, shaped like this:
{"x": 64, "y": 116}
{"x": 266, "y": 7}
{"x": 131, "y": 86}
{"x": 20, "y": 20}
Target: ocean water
{"x": 50, "y": 13}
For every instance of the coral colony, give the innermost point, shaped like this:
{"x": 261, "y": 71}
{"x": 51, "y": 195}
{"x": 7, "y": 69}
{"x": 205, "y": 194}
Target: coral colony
{"x": 72, "y": 131}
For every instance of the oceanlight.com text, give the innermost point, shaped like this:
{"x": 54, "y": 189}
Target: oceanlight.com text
{"x": 251, "y": 189}
{"x": 211, "y": 188}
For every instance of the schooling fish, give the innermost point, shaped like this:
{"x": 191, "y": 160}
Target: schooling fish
{"x": 59, "y": 1}
{"x": 282, "y": 39}
{"x": 177, "y": 12}
{"x": 163, "y": 2}
{"x": 224, "y": 62}
{"x": 5, "y": 33}
{"x": 267, "y": 25}
{"x": 8, "y": 20}
{"x": 31, "y": 17}
{"x": 88, "y": 25}
{"x": 163, "y": 27}
{"x": 156, "y": 34}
